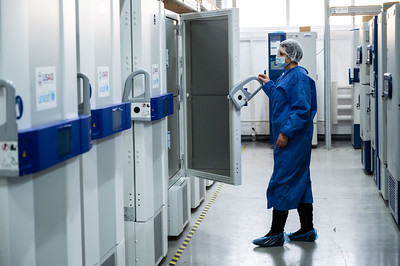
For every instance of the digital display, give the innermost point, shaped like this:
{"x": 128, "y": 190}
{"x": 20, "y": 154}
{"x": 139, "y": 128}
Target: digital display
{"x": 274, "y": 65}
{"x": 64, "y": 140}
{"x": 165, "y": 105}
{"x": 117, "y": 119}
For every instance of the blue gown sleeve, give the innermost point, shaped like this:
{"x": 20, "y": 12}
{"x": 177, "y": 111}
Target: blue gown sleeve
{"x": 313, "y": 99}
{"x": 299, "y": 98}
{"x": 269, "y": 89}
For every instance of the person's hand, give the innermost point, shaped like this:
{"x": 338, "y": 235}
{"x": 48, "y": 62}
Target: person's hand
{"x": 282, "y": 141}
{"x": 264, "y": 78}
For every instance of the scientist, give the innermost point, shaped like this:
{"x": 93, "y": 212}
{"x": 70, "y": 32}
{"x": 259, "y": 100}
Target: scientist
{"x": 294, "y": 105}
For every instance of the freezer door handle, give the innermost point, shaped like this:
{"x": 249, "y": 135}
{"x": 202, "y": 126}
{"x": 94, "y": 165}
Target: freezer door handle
{"x": 20, "y": 104}
{"x": 9, "y": 130}
{"x": 240, "y": 96}
{"x": 387, "y": 86}
{"x": 9, "y": 133}
{"x": 129, "y": 86}
{"x": 84, "y": 108}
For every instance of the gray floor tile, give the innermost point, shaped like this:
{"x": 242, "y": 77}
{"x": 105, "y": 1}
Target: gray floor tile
{"x": 353, "y": 222}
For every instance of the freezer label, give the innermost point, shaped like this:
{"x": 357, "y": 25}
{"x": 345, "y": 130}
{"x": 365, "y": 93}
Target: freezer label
{"x": 46, "y": 88}
{"x": 274, "y": 47}
{"x": 9, "y": 155}
{"x": 103, "y": 81}
{"x": 156, "y": 76}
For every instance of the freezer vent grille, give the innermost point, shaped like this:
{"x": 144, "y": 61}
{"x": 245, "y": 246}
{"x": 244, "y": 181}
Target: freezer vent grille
{"x": 158, "y": 234}
{"x": 392, "y": 194}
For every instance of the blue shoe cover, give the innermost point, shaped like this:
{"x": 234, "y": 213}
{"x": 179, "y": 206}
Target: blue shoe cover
{"x": 310, "y": 236}
{"x": 272, "y": 241}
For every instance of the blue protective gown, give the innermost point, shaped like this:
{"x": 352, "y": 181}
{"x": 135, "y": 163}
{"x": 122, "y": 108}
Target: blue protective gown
{"x": 294, "y": 104}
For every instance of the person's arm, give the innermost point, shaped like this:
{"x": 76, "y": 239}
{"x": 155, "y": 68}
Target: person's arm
{"x": 269, "y": 89}
{"x": 298, "y": 98}
{"x": 269, "y": 85}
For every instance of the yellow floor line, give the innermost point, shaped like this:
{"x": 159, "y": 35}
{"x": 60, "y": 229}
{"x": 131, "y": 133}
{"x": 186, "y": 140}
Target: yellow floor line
{"x": 194, "y": 229}
{"x": 244, "y": 147}
{"x": 196, "y": 225}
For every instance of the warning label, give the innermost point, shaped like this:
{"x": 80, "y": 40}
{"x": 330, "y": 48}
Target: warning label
{"x": 9, "y": 155}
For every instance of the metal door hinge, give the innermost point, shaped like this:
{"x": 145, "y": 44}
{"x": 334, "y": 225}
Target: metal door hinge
{"x": 129, "y": 214}
{"x": 179, "y": 31}
{"x": 181, "y": 161}
{"x": 180, "y": 91}
{"x": 180, "y": 62}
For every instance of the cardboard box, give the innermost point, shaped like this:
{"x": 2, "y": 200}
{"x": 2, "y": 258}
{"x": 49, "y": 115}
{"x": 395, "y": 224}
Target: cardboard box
{"x": 305, "y": 29}
{"x": 387, "y": 5}
{"x": 367, "y": 18}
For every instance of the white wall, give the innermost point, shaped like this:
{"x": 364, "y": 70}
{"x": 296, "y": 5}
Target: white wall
{"x": 254, "y": 55}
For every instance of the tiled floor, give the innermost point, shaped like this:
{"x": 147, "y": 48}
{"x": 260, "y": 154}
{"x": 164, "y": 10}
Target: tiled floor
{"x": 354, "y": 225}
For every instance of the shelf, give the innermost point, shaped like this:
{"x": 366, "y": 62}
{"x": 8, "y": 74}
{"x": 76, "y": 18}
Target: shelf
{"x": 344, "y": 107}
{"x": 181, "y": 6}
{"x": 344, "y": 117}
{"x": 344, "y": 97}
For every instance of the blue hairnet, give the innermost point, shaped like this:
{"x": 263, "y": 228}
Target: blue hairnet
{"x": 293, "y": 50}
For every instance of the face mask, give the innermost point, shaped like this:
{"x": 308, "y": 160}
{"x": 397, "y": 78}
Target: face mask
{"x": 280, "y": 61}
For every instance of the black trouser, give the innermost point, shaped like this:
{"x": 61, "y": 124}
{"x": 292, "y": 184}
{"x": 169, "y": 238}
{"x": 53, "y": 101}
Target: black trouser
{"x": 278, "y": 222}
{"x": 279, "y": 218}
{"x": 305, "y": 211}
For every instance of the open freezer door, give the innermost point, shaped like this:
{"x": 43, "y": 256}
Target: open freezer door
{"x": 210, "y": 70}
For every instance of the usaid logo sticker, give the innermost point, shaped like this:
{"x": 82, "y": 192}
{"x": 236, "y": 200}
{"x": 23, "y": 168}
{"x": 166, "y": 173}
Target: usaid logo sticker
{"x": 46, "y": 88}
{"x": 155, "y": 76}
{"x": 103, "y": 81}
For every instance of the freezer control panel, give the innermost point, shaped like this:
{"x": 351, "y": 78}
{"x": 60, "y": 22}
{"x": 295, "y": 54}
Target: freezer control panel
{"x": 141, "y": 111}
{"x": 158, "y": 108}
{"x": 110, "y": 120}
